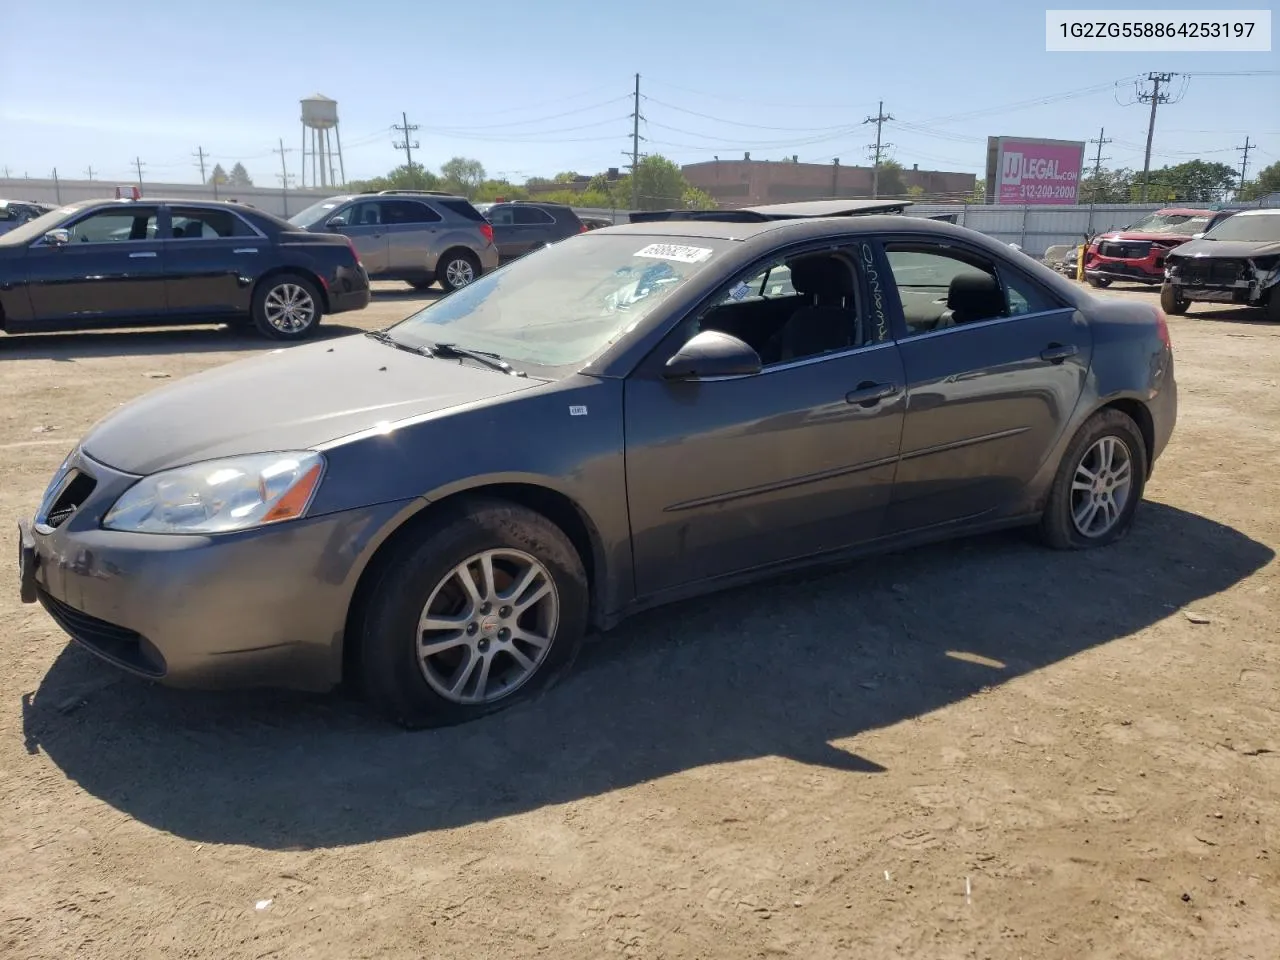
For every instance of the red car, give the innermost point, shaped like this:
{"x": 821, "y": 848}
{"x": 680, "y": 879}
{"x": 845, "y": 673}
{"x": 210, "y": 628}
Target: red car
{"x": 1136, "y": 253}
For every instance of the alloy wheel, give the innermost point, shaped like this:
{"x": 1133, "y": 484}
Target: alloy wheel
{"x": 487, "y": 626}
{"x": 1101, "y": 487}
{"x": 459, "y": 273}
{"x": 289, "y": 308}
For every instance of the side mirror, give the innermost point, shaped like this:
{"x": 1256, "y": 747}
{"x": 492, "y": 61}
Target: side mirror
{"x": 58, "y": 237}
{"x": 1198, "y": 236}
{"x": 336, "y": 223}
{"x": 712, "y": 353}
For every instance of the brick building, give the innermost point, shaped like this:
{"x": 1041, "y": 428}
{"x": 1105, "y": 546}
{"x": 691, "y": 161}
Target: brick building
{"x": 740, "y": 183}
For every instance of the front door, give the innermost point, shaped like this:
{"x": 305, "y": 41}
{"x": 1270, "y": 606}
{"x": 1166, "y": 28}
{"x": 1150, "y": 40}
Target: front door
{"x": 365, "y": 228}
{"x": 208, "y": 251}
{"x": 112, "y": 268}
{"x": 994, "y": 364}
{"x": 727, "y": 475}
{"x": 412, "y": 228}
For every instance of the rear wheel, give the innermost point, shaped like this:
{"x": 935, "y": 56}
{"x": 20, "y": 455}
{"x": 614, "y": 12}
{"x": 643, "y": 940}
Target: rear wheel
{"x": 457, "y": 269}
{"x": 1170, "y": 301}
{"x": 486, "y": 609}
{"x": 1098, "y": 485}
{"x": 1101, "y": 282}
{"x": 1272, "y": 309}
{"x": 424, "y": 284}
{"x": 286, "y": 307}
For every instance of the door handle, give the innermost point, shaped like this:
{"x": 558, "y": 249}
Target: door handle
{"x": 1057, "y": 352}
{"x": 245, "y": 250}
{"x": 139, "y": 256}
{"x": 869, "y": 394}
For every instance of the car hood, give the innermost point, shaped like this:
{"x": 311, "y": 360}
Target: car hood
{"x": 1235, "y": 249}
{"x": 287, "y": 399}
{"x": 1122, "y": 235}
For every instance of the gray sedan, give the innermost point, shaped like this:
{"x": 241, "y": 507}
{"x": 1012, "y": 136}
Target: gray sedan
{"x": 439, "y": 512}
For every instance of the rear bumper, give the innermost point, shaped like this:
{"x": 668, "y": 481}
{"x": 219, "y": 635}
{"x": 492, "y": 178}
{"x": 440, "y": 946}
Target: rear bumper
{"x": 341, "y": 302}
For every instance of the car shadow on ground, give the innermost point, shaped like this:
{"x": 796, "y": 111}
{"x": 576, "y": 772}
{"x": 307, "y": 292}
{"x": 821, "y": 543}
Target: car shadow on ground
{"x": 779, "y": 670}
{"x": 142, "y": 341}
{"x": 1198, "y": 311}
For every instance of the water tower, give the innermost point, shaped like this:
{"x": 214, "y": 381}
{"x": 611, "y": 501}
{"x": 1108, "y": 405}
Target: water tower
{"x": 319, "y": 120}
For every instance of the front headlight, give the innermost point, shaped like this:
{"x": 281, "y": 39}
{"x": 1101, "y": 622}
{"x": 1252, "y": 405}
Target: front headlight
{"x": 219, "y": 496}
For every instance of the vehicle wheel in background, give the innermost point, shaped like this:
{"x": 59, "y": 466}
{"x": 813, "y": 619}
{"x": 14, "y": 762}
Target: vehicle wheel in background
{"x": 457, "y": 269}
{"x": 1098, "y": 486}
{"x": 1100, "y": 282}
{"x": 1272, "y": 310}
{"x": 424, "y": 284}
{"x": 286, "y": 307}
{"x": 1170, "y": 302}
{"x": 485, "y": 609}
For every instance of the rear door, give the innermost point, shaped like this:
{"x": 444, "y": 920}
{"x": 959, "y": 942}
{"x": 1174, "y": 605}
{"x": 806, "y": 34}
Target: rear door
{"x": 365, "y": 228}
{"x": 994, "y": 366}
{"x": 506, "y": 235}
{"x": 536, "y": 228}
{"x": 112, "y": 268}
{"x": 209, "y": 255}
{"x": 412, "y": 227}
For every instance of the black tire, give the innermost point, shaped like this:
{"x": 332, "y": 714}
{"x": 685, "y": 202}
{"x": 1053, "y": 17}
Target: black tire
{"x": 1272, "y": 309}
{"x": 1100, "y": 282}
{"x": 391, "y": 671}
{"x": 1057, "y": 526}
{"x": 1170, "y": 302}
{"x": 284, "y": 286}
{"x": 450, "y": 266}
{"x": 424, "y": 284}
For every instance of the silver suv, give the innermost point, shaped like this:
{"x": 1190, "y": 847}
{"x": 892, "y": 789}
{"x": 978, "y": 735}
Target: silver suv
{"x": 418, "y": 236}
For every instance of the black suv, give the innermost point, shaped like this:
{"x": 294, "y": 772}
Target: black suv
{"x": 522, "y": 226}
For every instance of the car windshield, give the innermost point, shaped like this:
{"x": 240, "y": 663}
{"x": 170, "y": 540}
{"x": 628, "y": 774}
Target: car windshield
{"x": 34, "y": 229}
{"x": 1259, "y": 228}
{"x": 1176, "y": 224}
{"x": 315, "y": 213}
{"x": 564, "y": 304}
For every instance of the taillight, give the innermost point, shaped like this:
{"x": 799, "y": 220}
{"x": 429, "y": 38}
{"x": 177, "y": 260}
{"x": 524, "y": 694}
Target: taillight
{"x": 351, "y": 245}
{"x": 1162, "y": 327}
{"x": 486, "y": 230}
{"x": 582, "y": 228}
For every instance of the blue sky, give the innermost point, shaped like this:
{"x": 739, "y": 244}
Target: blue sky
{"x": 99, "y": 82}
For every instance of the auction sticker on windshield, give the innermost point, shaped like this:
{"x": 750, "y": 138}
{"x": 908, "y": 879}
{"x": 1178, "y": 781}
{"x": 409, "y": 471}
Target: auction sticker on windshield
{"x": 674, "y": 251}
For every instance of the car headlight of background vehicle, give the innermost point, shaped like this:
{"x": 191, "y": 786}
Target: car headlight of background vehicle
{"x": 220, "y": 496}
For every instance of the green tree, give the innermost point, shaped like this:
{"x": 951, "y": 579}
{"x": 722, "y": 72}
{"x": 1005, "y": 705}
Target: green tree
{"x": 659, "y": 184}
{"x": 463, "y": 175}
{"x": 402, "y": 177}
{"x": 915, "y": 191}
{"x": 1107, "y": 186}
{"x": 218, "y": 177}
{"x": 1267, "y": 181}
{"x": 890, "y": 182}
{"x": 695, "y": 199}
{"x": 1196, "y": 181}
{"x": 491, "y": 190}
{"x": 240, "y": 176}
{"x": 568, "y": 176}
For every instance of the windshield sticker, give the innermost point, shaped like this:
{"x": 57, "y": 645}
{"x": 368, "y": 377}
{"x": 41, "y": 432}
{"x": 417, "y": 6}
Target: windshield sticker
{"x": 739, "y": 290}
{"x": 674, "y": 251}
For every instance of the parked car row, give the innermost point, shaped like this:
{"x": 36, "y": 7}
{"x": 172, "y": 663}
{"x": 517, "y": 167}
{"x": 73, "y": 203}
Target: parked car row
{"x": 14, "y": 213}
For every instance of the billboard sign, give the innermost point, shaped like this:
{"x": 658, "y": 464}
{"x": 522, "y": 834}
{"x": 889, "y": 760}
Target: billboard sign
{"x": 1025, "y": 170}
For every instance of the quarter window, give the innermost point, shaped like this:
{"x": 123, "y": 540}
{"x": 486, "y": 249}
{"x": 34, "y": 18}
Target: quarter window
{"x": 194, "y": 223}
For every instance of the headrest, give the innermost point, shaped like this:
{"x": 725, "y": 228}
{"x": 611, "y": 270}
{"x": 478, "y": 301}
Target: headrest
{"x": 975, "y": 295}
{"x": 822, "y": 276}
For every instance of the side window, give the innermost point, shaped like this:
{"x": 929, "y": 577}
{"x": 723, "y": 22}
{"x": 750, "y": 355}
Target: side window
{"x": 531, "y": 215}
{"x": 501, "y": 216}
{"x": 941, "y": 287}
{"x": 193, "y": 223}
{"x": 407, "y": 211}
{"x": 1026, "y": 296}
{"x": 116, "y": 224}
{"x": 367, "y": 213}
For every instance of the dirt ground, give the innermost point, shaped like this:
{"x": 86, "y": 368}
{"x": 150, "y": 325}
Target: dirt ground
{"x": 977, "y": 750}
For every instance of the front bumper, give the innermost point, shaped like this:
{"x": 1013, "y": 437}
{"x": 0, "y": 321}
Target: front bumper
{"x": 1243, "y": 292}
{"x": 1148, "y": 270}
{"x": 266, "y": 607}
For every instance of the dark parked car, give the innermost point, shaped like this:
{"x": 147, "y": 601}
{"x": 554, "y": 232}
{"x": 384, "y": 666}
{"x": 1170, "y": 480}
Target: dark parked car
{"x": 103, "y": 263}
{"x": 14, "y": 213}
{"x": 439, "y": 511}
{"x": 1238, "y": 261}
{"x": 418, "y": 236}
{"x": 521, "y": 226}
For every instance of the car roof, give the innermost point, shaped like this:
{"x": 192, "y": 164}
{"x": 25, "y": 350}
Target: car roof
{"x": 797, "y": 228}
{"x": 1260, "y": 212}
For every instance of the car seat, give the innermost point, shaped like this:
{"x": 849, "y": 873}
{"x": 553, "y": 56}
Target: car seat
{"x": 972, "y": 297}
{"x": 829, "y": 321}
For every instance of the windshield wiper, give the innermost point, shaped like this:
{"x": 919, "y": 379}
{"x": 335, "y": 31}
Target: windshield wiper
{"x": 492, "y": 360}
{"x": 383, "y": 337}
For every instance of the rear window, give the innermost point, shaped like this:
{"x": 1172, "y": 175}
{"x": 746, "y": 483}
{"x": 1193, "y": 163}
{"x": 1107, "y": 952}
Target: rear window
{"x": 463, "y": 209}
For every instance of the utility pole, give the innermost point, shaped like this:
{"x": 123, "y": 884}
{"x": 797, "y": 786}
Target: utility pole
{"x": 878, "y": 148}
{"x": 138, "y": 165}
{"x": 1244, "y": 162}
{"x": 6, "y": 173}
{"x": 407, "y": 146}
{"x": 57, "y": 187}
{"x": 835, "y": 177}
{"x": 284, "y": 175}
{"x": 635, "y": 148}
{"x": 89, "y": 172}
{"x": 200, "y": 155}
{"x": 1155, "y": 98}
{"x": 1097, "y": 173}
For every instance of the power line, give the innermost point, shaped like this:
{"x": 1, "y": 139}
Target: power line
{"x": 554, "y": 116}
{"x": 1155, "y": 98}
{"x": 736, "y": 123}
{"x": 877, "y": 148}
{"x": 1244, "y": 161}
{"x": 407, "y": 146}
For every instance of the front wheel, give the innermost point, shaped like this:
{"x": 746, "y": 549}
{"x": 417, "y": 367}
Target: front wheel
{"x": 457, "y": 269}
{"x": 485, "y": 609}
{"x": 286, "y": 307}
{"x": 1170, "y": 302}
{"x": 1098, "y": 485}
{"x": 1100, "y": 282}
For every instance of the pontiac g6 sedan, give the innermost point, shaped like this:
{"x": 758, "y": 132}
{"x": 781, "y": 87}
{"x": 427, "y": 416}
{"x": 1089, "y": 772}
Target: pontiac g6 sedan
{"x": 440, "y": 511}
